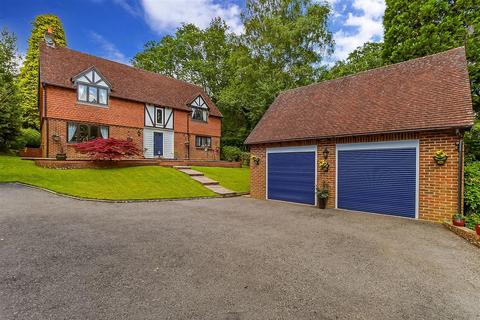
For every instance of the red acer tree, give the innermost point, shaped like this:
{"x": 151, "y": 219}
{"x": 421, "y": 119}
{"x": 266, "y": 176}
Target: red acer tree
{"x": 108, "y": 149}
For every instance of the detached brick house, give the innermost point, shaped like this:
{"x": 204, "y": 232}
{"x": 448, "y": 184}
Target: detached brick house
{"x": 378, "y": 131}
{"x": 83, "y": 97}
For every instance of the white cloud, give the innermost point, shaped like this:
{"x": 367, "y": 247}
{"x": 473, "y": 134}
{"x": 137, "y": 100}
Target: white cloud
{"x": 110, "y": 51}
{"x": 166, "y": 15}
{"x": 368, "y": 26}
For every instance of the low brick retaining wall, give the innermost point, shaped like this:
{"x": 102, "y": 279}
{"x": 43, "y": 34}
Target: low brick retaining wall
{"x": 30, "y": 153}
{"x": 468, "y": 234}
{"x": 90, "y": 164}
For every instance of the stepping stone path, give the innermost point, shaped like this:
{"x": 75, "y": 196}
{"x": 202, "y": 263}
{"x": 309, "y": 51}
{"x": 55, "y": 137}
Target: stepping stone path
{"x": 207, "y": 182}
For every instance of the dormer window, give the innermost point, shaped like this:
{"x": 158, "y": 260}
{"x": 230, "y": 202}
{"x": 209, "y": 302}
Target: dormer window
{"x": 92, "y": 88}
{"x": 199, "y": 110}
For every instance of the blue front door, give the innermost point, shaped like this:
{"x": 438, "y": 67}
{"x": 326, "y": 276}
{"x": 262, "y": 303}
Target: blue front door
{"x": 379, "y": 181}
{"x": 157, "y": 144}
{"x": 291, "y": 177}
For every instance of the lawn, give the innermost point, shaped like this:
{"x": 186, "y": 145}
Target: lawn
{"x": 114, "y": 184}
{"x": 236, "y": 179}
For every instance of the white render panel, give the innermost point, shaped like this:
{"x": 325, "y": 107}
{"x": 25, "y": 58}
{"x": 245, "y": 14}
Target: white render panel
{"x": 148, "y": 119}
{"x": 83, "y": 79}
{"x": 168, "y": 116}
{"x": 168, "y": 136}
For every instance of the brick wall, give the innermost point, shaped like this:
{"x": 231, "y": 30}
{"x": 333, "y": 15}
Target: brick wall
{"x": 437, "y": 184}
{"x": 62, "y": 104}
{"x": 59, "y": 128}
{"x": 123, "y": 117}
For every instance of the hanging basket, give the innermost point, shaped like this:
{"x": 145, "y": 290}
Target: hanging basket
{"x": 440, "y": 157}
{"x": 324, "y": 165}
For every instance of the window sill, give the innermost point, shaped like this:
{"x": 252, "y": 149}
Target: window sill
{"x": 103, "y": 106}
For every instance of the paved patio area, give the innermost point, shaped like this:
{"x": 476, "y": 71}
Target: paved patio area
{"x": 233, "y": 258}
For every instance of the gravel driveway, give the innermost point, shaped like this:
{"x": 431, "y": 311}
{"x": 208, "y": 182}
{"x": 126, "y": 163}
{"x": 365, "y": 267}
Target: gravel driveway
{"x": 234, "y": 258}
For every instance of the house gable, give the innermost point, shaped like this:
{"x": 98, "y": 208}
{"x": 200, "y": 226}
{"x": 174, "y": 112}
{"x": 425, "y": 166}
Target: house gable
{"x": 92, "y": 76}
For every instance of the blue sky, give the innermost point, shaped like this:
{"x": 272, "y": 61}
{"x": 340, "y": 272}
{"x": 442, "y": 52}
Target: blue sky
{"x": 117, "y": 29}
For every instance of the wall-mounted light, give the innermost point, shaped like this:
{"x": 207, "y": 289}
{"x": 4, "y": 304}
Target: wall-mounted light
{"x": 325, "y": 153}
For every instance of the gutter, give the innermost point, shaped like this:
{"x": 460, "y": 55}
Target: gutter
{"x": 460, "y": 177}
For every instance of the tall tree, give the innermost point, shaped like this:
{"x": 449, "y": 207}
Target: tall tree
{"x": 282, "y": 47}
{"x": 192, "y": 55}
{"x": 9, "y": 112}
{"x": 415, "y": 28}
{"x": 291, "y": 35}
{"x": 366, "y": 57}
{"x": 27, "y": 81}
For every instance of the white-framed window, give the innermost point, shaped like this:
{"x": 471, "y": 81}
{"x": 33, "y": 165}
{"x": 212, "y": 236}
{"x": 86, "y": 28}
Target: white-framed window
{"x": 159, "y": 116}
{"x": 81, "y": 132}
{"x": 92, "y": 88}
{"x": 199, "y": 110}
{"x": 203, "y": 142}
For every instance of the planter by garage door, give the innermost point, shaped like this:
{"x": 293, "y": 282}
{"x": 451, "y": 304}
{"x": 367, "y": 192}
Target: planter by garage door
{"x": 378, "y": 177}
{"x": 291, "y": 174}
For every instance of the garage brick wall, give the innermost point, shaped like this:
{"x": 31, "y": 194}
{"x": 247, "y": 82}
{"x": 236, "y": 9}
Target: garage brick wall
{"x": 437, "y": 184}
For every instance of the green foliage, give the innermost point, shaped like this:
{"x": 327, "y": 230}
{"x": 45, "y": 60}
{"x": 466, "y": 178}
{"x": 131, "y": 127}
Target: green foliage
{"x": 193, "y": 55}
{"x": 27, "y": 81}
{"x": 289, "y": 35}
{"x": 28, "y": 137}
{"x": 9, "y": 112}
{"x": 114, "y": 184}
{"x": 246, "y": 158}
{"x": 472, "y": 188}
{"x": 282, "y": 47}
{"x": 416, "y": 28}
{"x": 231, "y": 153}
{"x": 366, "y": 57}
{"x": 472, "y": 143}
{"x": 472, "y": 220}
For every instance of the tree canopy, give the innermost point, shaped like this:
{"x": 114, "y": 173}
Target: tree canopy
{"x": 27, "y": 80}
{"x": 283, "y": 46}
{"x": 9, "y": 112}
{"x": 417, "y": 28}
{"x": 366, "y": 57}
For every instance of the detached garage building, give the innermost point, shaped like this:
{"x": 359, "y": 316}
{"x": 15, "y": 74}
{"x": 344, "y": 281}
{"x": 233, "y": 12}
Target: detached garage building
{"x": 378, "y": 131}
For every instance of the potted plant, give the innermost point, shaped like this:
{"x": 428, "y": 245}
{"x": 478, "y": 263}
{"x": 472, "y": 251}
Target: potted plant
{"x": 324, "y": 165}
{"x": 440, "y": 157}
{"x": 58, "y": 140}
{"x": 322, "y": 195}
{"x": 458, "y": 220}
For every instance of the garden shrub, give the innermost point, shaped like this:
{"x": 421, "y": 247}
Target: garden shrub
{"x": 472, "y": 188}
{"x": 28, "y": 138}
{"x": 231, "y": 153}
{"x": 472, "y": 220}
{"x": 246, "y": 158}
{"x": 108, "y": 149}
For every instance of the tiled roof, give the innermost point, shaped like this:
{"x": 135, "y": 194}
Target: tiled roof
{"x": 59, "y": 65}
{"x": 431, "y": 92}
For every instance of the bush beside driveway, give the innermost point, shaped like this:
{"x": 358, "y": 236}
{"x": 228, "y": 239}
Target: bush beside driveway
{"x": 216, "y": 258}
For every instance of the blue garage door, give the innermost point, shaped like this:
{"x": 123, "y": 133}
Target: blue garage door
{"x": 291, "y": 177}
{"x": 379, "y": 181}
